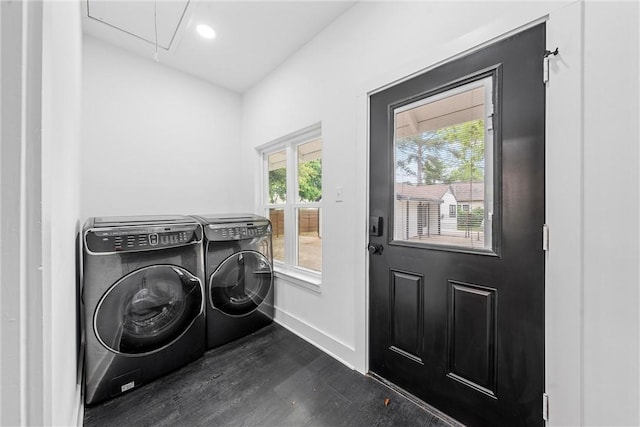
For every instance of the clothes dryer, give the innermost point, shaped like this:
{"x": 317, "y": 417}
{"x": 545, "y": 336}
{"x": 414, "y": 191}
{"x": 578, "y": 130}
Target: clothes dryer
{"x": 143, "y": 300}
{"x": 238, "y": 275}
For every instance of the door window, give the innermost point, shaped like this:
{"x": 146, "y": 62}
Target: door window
{"x": 443, "y": 148}
{"x": 148, "y": 310}
{"x": 241, "y": 283}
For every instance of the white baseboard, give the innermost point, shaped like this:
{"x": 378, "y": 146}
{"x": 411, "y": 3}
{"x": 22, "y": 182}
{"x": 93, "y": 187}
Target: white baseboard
{"x": 340, "y": 351}
{"x": 80, "y": 385}
{"x": 79, "y": 407}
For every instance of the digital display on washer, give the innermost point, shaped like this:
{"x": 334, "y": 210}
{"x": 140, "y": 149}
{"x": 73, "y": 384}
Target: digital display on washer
{"x": 106, "y": 240}
{"x": 222, "y": 232}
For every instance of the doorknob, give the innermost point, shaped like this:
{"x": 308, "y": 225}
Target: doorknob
{"x": 375, "y": 248}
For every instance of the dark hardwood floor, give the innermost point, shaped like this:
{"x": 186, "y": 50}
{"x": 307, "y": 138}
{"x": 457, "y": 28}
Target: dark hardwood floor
{"x": 270, "y": 378}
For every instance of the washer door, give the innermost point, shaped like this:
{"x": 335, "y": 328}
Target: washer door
{"x": 148, "y": 309}
{"x": 240, "y": 283}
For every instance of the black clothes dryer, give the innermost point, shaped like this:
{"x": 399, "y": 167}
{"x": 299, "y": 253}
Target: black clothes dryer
{"x": 238, "y": 275}
{"x": 143, "y": 300}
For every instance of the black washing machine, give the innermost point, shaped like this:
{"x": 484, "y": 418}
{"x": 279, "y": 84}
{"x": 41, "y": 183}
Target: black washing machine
{"x": 238, "y": 275}
{"x": 143, "y": 300}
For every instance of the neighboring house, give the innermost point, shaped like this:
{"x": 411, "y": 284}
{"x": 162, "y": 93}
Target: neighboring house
{"x": 469, "y": 195}
{"x": 426, "y": 210}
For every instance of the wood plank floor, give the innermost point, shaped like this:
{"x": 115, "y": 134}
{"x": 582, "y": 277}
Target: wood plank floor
{"x": 270, "y": 378}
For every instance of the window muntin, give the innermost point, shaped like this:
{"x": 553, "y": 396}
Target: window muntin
{"x": 443, "y": 156}
{"x": 297, "y": 221}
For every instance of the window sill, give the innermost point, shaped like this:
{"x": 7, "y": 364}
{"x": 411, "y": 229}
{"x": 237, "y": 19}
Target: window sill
{"x": 303, "y": 279}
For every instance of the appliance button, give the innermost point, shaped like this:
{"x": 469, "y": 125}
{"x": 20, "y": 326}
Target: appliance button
{"x": 153, "y": 239}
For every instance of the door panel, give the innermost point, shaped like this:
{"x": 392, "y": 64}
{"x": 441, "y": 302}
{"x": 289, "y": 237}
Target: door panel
{"x": 472, "y": 336}
{"x": 457, "y": 291}
{"x": 406, "y": 314}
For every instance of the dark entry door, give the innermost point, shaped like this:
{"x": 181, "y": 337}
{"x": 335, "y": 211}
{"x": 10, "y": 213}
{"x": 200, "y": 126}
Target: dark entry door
{"x": 457, "y": 266}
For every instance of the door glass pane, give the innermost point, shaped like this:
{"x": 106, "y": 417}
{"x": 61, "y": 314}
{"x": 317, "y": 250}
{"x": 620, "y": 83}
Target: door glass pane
{"x": 148, "y": 309}
{"x": 277, "y": 169}
{"x": 443, "y": 155}
{"x": 310, "y": 238}
{"x": 241, "y": 283}
{"x": 277, "y": 223}
{"x": 310, "y": 171}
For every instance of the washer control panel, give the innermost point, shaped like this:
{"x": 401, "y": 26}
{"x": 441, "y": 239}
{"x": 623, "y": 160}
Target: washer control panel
{"x": 141, "y": 238}
{"x": 238, "y": 231}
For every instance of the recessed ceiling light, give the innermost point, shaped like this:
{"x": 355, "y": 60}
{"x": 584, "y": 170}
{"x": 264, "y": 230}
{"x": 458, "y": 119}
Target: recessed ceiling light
{"x": 205, "y": 31}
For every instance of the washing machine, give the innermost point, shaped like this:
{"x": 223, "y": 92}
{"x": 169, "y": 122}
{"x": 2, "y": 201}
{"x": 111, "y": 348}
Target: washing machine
{"x": 143, "y": 300}
{"x": 238, "y": 275}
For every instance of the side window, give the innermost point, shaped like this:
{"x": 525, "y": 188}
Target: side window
{"x": 292, "y": 199}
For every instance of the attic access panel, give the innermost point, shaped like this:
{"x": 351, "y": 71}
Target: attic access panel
{"x": 443, "y": 146}
{"x": 141, "y": 19}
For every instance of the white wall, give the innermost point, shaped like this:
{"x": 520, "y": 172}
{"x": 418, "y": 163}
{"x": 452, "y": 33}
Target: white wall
{"x": 40, "y": 180}
{"x": 611, "y": 245}
{"x": 156, "y": 141}
{"x": 448, "y": 222}
{"x": 375, "y": 43}
{"x": 61, "y": 112}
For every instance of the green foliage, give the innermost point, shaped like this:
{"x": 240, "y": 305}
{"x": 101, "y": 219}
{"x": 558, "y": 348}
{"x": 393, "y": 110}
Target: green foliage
{"x": 422, "y": 157}
{"x": 470, "y": 220}
{"x": 277, "y": 185}
{"x": 450, "y": 154}
{"x": 310, "y": 181}
{"x": 465, "y": 143}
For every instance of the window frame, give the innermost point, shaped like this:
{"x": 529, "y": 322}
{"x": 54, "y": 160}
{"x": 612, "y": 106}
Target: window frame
{"x": 288, "y": 268}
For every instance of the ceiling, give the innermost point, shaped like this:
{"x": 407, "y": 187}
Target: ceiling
{"x": 252, "y": 37}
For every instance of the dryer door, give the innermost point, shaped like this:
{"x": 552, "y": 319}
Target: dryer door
{"x": 148, "y": 309}
{"x": 240, "y": 283}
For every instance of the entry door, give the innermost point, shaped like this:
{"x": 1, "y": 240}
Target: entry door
{"x": 457, "y": 210}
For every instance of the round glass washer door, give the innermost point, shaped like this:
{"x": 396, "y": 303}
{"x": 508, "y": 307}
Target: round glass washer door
{"x": 148, "y": 309}
{"x": 240, "y": 283}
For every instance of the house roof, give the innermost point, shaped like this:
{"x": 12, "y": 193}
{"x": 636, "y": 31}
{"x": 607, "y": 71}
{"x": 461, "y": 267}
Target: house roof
{"x": 468, "y": 191}
{"x": 421, "y": 192}
{"x": 462, "y": 191}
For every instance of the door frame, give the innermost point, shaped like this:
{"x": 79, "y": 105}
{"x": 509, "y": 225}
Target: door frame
{"x": 563, "y": 122}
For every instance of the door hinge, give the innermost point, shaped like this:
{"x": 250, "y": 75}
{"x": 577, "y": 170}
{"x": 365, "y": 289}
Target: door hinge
{"x": 545, "y": 406}
{"x": 545, "y": 64}
{"x": 545, "y": 237}
{"x": 491, "y": 116}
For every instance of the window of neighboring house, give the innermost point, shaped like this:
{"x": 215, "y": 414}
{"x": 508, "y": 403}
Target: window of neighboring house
{"x": 464, "y": 208}
{"x": 292, "y": 200}
{"x": 452, "y": 211}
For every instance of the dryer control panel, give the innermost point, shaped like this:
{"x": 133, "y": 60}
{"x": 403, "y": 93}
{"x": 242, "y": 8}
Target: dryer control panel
{"x": 238, "y": 231}
{"x": 131, "y": 239}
